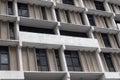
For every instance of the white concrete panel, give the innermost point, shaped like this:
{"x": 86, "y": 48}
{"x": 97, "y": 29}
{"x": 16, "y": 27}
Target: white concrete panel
{"x": 112, "y": 75}
{"x": 4, "y": 75}
{"x": 57, "y": 40}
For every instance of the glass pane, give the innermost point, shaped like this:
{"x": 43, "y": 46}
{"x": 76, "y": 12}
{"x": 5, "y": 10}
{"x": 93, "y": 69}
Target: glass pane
{"x": 69, "y": 61}
{"x": 19, "y": 12}
{"x": 70, "y": 68}
{"x": 44, "y": 68}
{"x": 75, "y": 61}
{"x": 4, "y": 67}
{"x": 10, "y": 12}
{"x": 25, "y": 13}
{"x": 77, "y": 68}
{"x": 4, "y": 59}
{"x": 43, "y": 61}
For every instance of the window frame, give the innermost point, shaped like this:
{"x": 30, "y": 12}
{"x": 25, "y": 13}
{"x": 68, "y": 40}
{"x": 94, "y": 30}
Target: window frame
{"x": 71, "y": 57}
{"x": 44, "y": 13}
{"x": 105, "y": 39}
{"x": 21, "y": 7}
{"x": 40, "y": 65}
{"x": 107, "y": 57}
{"x": 91, "y": 20}
{"x": 3, "y": 48}
{"x": 68, "y": 2}
{"x": 11, "y": 28}
{"x": 99, "y": 5}
{"x": 10, "y": 8}
{"x": 58, "y": 62}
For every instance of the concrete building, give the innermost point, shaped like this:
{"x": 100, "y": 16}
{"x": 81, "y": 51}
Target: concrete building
{"x": 59, "y": 40}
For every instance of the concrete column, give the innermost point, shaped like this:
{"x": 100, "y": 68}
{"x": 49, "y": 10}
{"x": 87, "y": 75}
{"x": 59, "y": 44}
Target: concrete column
{"x": 16, "y": 29}
{"x": 82, "y": 4}
{"x": 56, "y": 29}
{"x": 67, "y": 76}
{"x": 85, "y": 18}
{"x": 107, "y": 8}
{"x": 118, "y": 37}
{"x": 90, "y": 33}
{"x": 53, "y": 12}
{"x": 20, "y": 63}
{"x": 62, "y": 58}
{"x": 114, "y": 23}
{"x": 99, "y": 60}
{"x": 15, "y": 8}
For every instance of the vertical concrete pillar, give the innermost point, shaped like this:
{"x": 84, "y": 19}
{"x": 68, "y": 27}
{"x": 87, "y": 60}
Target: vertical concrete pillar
{"x": 20, "y": 57}
{"x": 82, "y": 4}
{"x": 107, "y": 8}
{"x": 62, "y": 58}
{"x": 100, "y": 60}
{"x": 53, "y": 12}
{"x": 56, "y": 29}
{"x": 15, "y": 8}
{"x": 85, "y": 18}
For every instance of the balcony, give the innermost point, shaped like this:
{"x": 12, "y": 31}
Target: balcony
{"x": 37, "y": 23}
{"x": 42, "y": 75}
{"x": 85, "y": 75}
{"x": 48, "y": 3}
{"x": 11, "y": 75}
{"x": 55, "y": 41}
{"x": 5, "y": 17}
{"x": 112, "y": 76}
{"x": 69, "y": 7}
{"x": 106, "y": 30}
{"x": 99, "y": 12}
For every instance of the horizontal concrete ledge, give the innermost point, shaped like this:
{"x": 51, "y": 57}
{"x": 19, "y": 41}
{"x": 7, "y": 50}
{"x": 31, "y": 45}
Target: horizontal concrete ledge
{"x": 106, "y": 30}
{"x": 42, "y": 75}
{"x": 110, "y": 50}
{"x": 47, "y": 3}
{"x": 9, "y": 42}
{"x": 112, "y": 75}
{"x": 11, "y": 75}
{"x": 69, "y": 7}
{"x": 27, "y": 21}
{"x": 86, "y": 75}
{"x": 99, "y": 12}
{"x": 5, "y": 17}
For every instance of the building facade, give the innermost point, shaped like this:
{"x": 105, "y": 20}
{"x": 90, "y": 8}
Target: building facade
{"x": 59, "y": 40}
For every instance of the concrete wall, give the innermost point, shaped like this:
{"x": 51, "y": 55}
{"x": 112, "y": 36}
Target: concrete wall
{"x": 36, "y": 13}
{"x": 88, "y": 61}
{"x": 75, "y": 17}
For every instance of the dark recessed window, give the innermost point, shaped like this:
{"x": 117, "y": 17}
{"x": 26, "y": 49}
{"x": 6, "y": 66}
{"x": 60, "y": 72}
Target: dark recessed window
{"x": 36, "y": 30}
{"x": 106, "y": 40}
{"x": 75, "y": 34}
{"x": 4, "y": 60}
{"x": 42, "y": 61}
{"x": 11, "y": 31}
{"x": 106, "y": 22}
{"x": 71, "y": 2}
{"x": 58, "y": 60}
{"x": 57, "y": 14}
{"x": 23, "y": 10}
{"x": 115, "y": 36}
{"x": 10, "y": 8}
{"x": 109, "y": 62}
{"x": 67, "y": 16}
{"x": 44, "y": 13}
{"x": 99, "y": 5}
{"x": 81, "y": 17}
{"x": 73, "y": 62}
{"x": 91, "y": 20}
